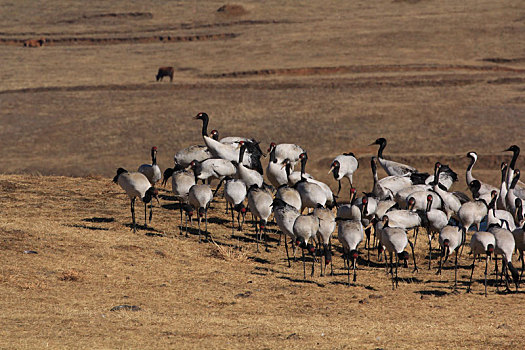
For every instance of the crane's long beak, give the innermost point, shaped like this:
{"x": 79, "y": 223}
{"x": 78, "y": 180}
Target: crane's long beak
{"x": 373, "y": 143}
{"x": 331, "y": 169}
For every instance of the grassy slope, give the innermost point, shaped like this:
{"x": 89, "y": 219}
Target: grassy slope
{"x": 89, "y": 261}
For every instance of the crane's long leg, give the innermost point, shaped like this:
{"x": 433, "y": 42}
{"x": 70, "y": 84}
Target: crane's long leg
{"x": 440, "y": 261}
{"x": 206, "y": 223}
{"x": 522, "y": 264}
{"x": 233, "y": 219}
{"x": 456, "y": 270}
{"x": 397, "y": 264}
{"x": 180, "y": 227}
{"x": 472, "y": 273}
{"x": 413, "y": 255}
{"x": 313, "y": 264}
{"x": 304, "y": 264}
{"x": 367, "y": 232}
{"x": 133, "y": 215}
{"x": 287, "y": 254}
{"x": 429, "y": 249}
{"x": 265, "y": 233}
{"x": 145, "y": 215}
{"x": 354, "y": 267}
{"x": 486, "y": 270}
{"x": 392, "y": 271}
{"x": 496, "y": 268}
{"x": 347, "y": 257}
{"x": 217, "y": 190}
{"x": 199, "y": 216}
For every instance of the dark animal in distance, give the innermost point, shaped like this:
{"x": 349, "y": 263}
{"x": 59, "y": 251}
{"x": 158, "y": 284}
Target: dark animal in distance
{"x": 165, "y": 72}
{"x": 34, "y": 42}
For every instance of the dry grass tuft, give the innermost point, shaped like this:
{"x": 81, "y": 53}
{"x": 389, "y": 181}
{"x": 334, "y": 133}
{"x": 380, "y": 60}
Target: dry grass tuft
{"x": 71, "y": 276}
{"x": 229, "y": 253}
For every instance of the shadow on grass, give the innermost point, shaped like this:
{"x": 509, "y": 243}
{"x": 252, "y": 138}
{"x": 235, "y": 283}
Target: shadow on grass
{"x": 99, "y": 220}
{"x": 297, "y": 280}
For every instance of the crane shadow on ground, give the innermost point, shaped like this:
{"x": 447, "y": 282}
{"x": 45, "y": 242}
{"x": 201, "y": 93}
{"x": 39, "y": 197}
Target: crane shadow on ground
{"x": 298, "y": 280}
{"x": 94, "y": 228}
{"x": 99, "y": 220}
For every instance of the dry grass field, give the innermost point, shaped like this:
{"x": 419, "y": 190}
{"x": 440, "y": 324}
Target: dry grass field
{"x": 436, "y": 78}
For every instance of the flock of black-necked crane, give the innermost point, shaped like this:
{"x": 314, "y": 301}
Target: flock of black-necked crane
{"x": 405, "y": 199}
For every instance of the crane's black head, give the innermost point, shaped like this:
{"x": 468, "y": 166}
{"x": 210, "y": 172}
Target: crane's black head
{"x": 188, "y": 209}
{"x": 513, "y": 148}
{"x": 303, "y": 156}
{"x": 272, "y": 146}
{"x": 503, "y": 166}
{"x": 334, "y": 168}
{"x": 311, "y": 248}
{"x": 240, "y": 208}
{"x": 403, "y": 256}
{"x": 354, "y": 254}
{"x": 214, "y": 135}
{"x": 202, "y": 116}
{"x": 490, "y": 249}
{"x": 327, "y": 256}
{"x": 150, "y": 194}
{"x": 119, "y": 171}
{"x": 379, "y": 141}
{"x": 299, "y": 241}
{"x": 446, "y": 243}
{"x": 515, "y": 274}
{"x": 411, "y": 202}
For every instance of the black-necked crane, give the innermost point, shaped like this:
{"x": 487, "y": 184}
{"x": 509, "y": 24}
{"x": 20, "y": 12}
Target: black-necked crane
{"x": 472, "y": 213}
{"x": 235, "y": 192}
{"x": 229, "y": 151}
{"x": 290, "y": 195}
{"x": 249, "y": 176}
{"x": 181, "y": 182}
{"x": 350, "y": 234}
{"x": 285, "y": 216}
{"x": 305, "y": 229}
{"x": 342, "y": 166}
{"x": 196, "y": 152}
{"x": 395, "y": 240}
{"x": 450, "y": 240}
{"x": 451, "y": 202}
{"x": 213, "y": 168}
{"x": 311, "y": 194}
{"x": 259, "y": 202}
{"x": 275, "y": 172}
{"x": 502, "y": 193}
{"x": 519, "y": 239}
{"x": 136, "y": 185}
{"x": 484, "y": 188}
{"x": 447, "y": 177}
{"x": 505, "y": 245}
{"x": 499, "y": 217}
{"x": 200, "y": 197}
{"x": 481, "y": 243}
{"x": 387, "y": 187}
{"x": 391, "y": 167}
{"x": 435, "y": 221}
{"x": 510, "y": 198}
{"x": 515, "y": 149}
{"x": 324, "y": 233}
{"x": 286, "y": 151}
{"x": 152, "y": 171}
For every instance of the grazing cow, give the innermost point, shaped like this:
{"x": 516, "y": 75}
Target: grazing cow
{"x": 34, "y": 42}
{"x": 165, "y": 72}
